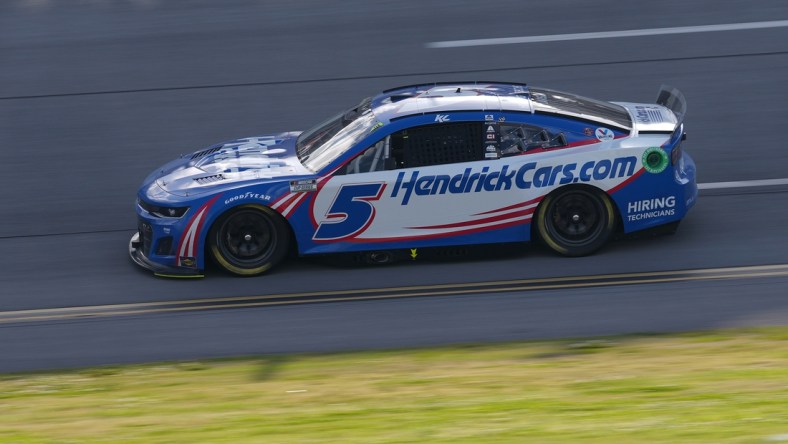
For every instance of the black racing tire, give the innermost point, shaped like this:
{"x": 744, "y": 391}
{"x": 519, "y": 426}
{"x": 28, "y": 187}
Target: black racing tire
{"x": 249, "y": 240}
{"x": 576, "y": 221}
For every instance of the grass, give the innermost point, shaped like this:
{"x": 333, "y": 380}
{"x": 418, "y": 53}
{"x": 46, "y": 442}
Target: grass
{"x": 722, "y": 386}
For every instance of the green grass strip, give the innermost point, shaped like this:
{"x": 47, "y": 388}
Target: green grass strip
{"x": 723, "y": 386}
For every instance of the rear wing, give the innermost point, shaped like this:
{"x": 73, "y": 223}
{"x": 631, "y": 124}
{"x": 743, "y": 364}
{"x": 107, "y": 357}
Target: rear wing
{"x": 674, "y": 100}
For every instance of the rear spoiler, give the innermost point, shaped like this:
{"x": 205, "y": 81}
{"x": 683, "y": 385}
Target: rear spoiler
{"x": 674, "y": 100}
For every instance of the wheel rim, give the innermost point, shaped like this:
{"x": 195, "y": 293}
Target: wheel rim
{"x": 576, "y": 218}
{"x": 246, "y": 238}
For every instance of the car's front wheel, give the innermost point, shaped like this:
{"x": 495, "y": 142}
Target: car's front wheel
{"x": 576, "y": 221}
{"x": 249, "y": 240}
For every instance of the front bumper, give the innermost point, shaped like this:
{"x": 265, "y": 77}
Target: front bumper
{"x": 139, "y": 258}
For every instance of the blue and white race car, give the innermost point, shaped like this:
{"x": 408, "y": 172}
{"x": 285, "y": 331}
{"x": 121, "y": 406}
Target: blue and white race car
{"x": 432, "y": 165}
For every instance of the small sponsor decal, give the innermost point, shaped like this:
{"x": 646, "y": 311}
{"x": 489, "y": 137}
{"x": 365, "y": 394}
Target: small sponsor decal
{"x": 490, "y": 129}
{"x": 641, "y": 115}
{"x": 490, "y": 136}
{"x": 301, "y": 186}
{"x": 188, "y": 261}
{"x": 651, "y": 208}
{"x": 489, "y": 117}
{"x": 413, "y": 253}
{"x": 604, "y": 134}
{"x": 491, "y": 155}
{"x": 490, "y": 149}
{"x": 647, "y": 114}
{"x": 442, "y": 118}
{"x": 377, "y": 125}
{"x": 502, "y": 119}
{"x": 655, "y": 160}
{"x": 588, "y": 132}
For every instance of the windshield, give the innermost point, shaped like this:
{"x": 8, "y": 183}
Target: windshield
{"x": 547, "y": 100}
{"x": 322, "y": 144}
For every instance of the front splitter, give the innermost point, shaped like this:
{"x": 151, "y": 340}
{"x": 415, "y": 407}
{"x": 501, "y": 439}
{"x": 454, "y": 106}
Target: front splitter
{"x": 136, "y": 255}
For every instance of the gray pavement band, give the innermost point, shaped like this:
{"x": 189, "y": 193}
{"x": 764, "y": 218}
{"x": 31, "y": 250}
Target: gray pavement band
{"x": 72, "y": 164}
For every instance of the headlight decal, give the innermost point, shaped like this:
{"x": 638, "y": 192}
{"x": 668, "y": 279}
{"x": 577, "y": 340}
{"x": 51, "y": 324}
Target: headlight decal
{"x": 160, "y": 211}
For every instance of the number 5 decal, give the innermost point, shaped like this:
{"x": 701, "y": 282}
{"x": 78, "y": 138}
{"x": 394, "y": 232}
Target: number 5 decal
{"x": 350, "y": 213}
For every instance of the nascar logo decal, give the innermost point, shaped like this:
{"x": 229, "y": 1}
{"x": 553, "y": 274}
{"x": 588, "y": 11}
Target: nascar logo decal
{"x": 187, "y": 249}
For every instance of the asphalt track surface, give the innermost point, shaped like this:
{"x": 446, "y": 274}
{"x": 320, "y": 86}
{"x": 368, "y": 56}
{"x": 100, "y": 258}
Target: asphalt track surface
{"x": 94, "y": 95}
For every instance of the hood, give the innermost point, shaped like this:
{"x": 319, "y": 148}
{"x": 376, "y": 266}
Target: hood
{"x": 650, "y": 117}
{"x": 252, "y": 158}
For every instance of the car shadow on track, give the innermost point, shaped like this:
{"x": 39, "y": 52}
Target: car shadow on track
{"x": 621, "y": 243}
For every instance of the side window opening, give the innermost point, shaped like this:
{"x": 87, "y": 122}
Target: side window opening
{"x": 427, "y": 145}
{"x": 372, "y": 159}
{"x": 454, "y": 142}
{"x": 520, "y": 138}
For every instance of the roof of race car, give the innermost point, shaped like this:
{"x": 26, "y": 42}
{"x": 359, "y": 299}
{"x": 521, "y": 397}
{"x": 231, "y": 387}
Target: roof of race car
{"x": 428, "y": 98}
{"x": 438, "y": 97}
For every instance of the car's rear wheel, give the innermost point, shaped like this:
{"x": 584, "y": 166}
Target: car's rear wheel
{"x": 249, "y": 240}
{"x": 576, "y": 221}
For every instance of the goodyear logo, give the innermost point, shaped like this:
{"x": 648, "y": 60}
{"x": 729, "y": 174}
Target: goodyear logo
{"x": 529, "y": 175}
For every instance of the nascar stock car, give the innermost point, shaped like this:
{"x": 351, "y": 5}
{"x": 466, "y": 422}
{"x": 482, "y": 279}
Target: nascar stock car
{"x": 431, "y": 165}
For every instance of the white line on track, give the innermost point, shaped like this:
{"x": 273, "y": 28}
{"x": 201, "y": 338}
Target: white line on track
{"x": 742, "y": 184}
{"x": 609, "y": 34}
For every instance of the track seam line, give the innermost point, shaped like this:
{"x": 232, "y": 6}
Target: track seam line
{"x": 386, "y": 76}
{"x": 698, "y": 271}
{"x": 393, "y": 296}
{"x": 569, "y": 282}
